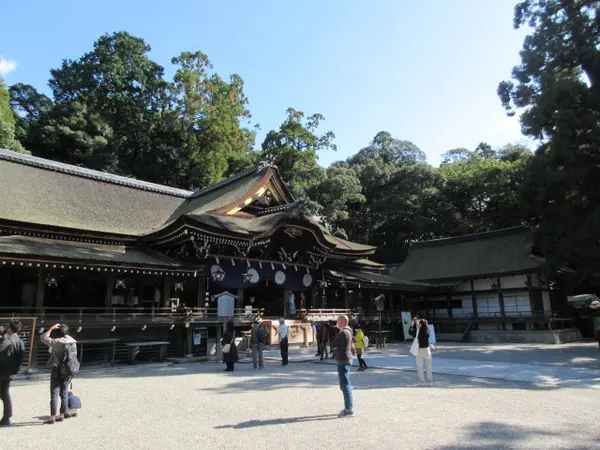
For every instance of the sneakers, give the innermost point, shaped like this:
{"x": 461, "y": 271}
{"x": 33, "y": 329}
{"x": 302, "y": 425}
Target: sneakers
{"x": 50, "y": 421}
{"x": 346, "y": 413}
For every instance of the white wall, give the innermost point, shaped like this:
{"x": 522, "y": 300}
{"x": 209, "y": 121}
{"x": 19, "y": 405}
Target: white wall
{"x": 517, "y": 281}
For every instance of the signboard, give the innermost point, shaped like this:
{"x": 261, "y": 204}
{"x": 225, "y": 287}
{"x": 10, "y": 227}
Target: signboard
{"x": 432, "y": 340}
{"x": 406, "y": 321}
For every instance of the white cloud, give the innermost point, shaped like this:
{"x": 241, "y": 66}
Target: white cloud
{"x": 7, "y": 66}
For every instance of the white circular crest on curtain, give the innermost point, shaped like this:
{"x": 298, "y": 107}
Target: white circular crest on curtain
{"x": 307, "y": 280}
{"x": 217, "y": 273}
{"x": 279, "y": 277}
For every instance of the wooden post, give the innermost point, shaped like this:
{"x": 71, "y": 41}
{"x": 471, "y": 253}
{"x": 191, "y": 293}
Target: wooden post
{"x": 110, "y": 285}
{"x": 346, "y": 298}
{"x": 166, "y": 294}
{"x": 239, "y": 303}
{"x": 474, "y": 300}
{"x": 201, "y": 291}
{"x": 219, "y": 337}
{"x": 39, "y": 295}
{"x": 501, "y": 300}
{"x": 286, "y": 295}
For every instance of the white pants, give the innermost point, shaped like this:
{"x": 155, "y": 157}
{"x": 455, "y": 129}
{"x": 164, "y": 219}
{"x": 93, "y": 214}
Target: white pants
{"x": 424, "y": 363}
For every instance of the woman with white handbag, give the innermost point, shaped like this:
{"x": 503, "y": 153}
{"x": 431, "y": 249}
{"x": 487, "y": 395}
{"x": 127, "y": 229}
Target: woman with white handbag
{"x": 421, "y": 350}
{"x": 230, "y": 354}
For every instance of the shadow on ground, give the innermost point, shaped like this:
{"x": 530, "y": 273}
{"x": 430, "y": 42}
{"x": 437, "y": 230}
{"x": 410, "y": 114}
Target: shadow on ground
{"x": 287, "y": 420}
{"x": 496, "y": 435}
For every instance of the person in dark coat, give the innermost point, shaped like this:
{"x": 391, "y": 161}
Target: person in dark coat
{"x": 231, "y": 357}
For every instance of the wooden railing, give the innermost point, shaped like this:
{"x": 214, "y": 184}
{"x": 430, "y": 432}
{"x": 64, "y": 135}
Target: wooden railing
{"x": 119, "y": 316}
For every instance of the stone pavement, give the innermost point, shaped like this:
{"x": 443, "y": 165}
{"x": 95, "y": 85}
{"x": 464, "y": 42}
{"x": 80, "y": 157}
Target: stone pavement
{"x": 197, "y": 406}
{"x": 557, "y": 373}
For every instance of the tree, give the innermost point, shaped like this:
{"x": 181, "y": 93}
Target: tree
{"x": 112, "y": 110}
{"x": 514, "y": 152}
{"x": 457, "y": 155}
{"x": 390, "y": 150}
{"x": 209, "y": 114}
{"x": 294, "y": 147}
{"x": 484, "y": 194}
{"x": 485, "y": 151}
{"x": 557, "y": 88}
{"x": 8, "y": 139}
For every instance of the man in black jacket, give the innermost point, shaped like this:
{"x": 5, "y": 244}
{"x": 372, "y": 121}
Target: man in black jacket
{"x": 12, "y": 353}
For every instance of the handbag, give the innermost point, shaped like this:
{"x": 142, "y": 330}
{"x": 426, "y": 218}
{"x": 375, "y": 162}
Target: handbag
{"x": 227, "y": 347}
{"x": 414, "y": 348}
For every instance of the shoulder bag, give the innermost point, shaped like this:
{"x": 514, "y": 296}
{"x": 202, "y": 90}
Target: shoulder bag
{"x": 227, "y": 347}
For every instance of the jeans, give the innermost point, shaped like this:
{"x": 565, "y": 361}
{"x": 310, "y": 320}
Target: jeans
{"x": 283, "y": 345}
{"x": 257, "y": 355}
{"x": 5, "y": 397}
{"x": 324, "y": 352}
{"x": 59, "y": 388}
{"x": 345, "y": 386}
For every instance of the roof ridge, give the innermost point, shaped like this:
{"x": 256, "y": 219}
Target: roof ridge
{"x": 82, "y": 172}
{"x": 471, "y": 237}
{"x": 228, "y": 181}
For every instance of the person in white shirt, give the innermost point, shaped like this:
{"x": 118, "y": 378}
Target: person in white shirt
{"x": 283, "y": 332}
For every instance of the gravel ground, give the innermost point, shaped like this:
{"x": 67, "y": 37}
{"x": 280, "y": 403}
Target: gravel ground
{"x": 295, "y": 407}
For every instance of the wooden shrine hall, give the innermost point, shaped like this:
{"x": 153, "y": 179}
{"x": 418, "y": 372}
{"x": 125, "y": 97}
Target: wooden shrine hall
{"x": 123, "y": 261}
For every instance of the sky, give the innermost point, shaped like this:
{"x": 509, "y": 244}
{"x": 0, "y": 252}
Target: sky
{"x": 425, "y": 71}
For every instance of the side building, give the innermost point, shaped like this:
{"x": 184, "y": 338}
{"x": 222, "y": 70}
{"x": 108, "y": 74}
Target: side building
{"x": 495, "y": 290}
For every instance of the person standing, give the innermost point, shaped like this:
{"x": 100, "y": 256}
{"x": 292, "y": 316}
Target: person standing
{"x": 257, "y": 340}
{"x": 283, "y": 332}
{"x": 343, "y": 356}
{"x": 315, "y": 327}
{"x": 360, "y": 348}
{"x": 230, "y": 357}
{"x": 423, "y": 354}
{"x": 62, "y": 346}
{"x": 324, "y": 340}
{"x": 12, "y": 353}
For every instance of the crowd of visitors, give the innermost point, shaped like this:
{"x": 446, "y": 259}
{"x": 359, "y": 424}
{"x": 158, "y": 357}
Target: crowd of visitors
{"x": 339, "y": 340}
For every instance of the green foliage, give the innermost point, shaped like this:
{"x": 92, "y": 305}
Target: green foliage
{"x": 113, "y": 110}
{"x": 557, "y": 89}
{"x": 8, "y": 139}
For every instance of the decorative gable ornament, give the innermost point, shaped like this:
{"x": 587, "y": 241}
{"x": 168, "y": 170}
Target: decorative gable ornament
{"x": 251, "y": 276}
{"x": 217, "y": 273}
{"x": 293, "y": 232}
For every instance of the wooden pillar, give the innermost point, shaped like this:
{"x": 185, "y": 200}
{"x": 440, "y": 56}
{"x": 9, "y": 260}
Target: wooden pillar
{"x": 239, "y": 303}
{"x": 219, "y": 337}
{"x": 346, "y": 298}
{"x": 286, "y": 296}
{"x": 39, "y": 295}
{"x": 201, "y": 291}
{"x": 501, "y": 300}
{"x": 110, "y": 286}
{"x": 474, "y": 300}
{"x": 166, "y": 294}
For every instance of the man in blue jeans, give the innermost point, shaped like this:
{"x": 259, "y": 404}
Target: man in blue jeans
{"x": 343, "y": 356}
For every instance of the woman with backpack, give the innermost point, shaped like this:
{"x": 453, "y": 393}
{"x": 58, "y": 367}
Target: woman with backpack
{"x": 64, "y": 365}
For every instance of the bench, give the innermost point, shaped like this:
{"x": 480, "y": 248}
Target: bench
{"x": 134, "y": 349}
{"x": 104, "y": 342}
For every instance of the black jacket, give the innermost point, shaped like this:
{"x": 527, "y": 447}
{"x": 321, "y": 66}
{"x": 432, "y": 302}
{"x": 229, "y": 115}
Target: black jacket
{"x": 12, "y": 354}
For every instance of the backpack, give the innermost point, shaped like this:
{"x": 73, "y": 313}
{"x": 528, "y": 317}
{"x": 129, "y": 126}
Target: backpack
{"x": 70, "y": 365}
{"x": 261, "y": 335}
